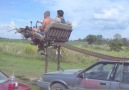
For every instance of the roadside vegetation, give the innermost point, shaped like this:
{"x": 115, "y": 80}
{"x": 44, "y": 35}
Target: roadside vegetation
{"x": 28, "y": 64}
{"x": 116, "y": 46}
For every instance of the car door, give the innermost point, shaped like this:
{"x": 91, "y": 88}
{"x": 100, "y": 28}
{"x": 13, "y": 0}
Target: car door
{"x": 121, "y": 77}
{"x": 124, "y": 84}
{"x": 117, "y": 76}
{"x": 97, "y": 76}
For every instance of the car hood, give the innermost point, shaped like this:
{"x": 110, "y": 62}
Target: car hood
{"x": 70, "y": 71}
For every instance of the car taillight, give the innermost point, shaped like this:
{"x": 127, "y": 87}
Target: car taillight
{"x": 13, "y": 84}
{"x": 11, "y": 87}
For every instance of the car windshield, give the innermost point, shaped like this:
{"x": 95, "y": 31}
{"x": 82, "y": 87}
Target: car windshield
{"x": 3, "y": 78}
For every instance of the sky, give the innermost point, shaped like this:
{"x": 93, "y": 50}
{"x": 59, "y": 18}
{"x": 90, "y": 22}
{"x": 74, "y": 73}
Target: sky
{"x": 98, "y": 17}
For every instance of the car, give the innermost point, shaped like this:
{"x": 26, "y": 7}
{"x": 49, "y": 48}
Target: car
{"x": 104, "y": 74}
{"x": 9, "y": 83}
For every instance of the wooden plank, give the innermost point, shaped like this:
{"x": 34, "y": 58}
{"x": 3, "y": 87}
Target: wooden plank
{"x": 95, "y": 54}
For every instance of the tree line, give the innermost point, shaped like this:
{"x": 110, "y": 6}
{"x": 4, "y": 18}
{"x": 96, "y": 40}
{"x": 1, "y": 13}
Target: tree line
{"x": 116, "y": 43}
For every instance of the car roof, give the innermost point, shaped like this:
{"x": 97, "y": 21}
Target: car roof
{"x": 106, "y": 60}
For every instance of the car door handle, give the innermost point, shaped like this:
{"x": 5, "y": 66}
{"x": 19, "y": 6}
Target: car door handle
{"x": 101, "y": 83}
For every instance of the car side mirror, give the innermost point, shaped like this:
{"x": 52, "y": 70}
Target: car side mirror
{"x": 81, "y": 75}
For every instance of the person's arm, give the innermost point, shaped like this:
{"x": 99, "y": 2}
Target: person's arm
{"x": 43, "y": 25}
{"x": 35, "y": 29}
{"x": 39, "y": 22}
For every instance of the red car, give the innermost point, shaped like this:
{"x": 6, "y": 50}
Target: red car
{"x": 7, "y": 83}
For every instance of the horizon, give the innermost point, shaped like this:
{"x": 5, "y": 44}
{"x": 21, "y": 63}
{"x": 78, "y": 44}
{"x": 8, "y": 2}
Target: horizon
{"x": 22, "y": 38}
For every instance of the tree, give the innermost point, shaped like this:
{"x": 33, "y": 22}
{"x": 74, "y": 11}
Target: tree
{"x": 117, "y": 36}
{"x": 99, "y": 39}
{"x": 125, "y": 41}
{"x": 79, "y": 39}
{"x": 116, "y": 44}
{"x": 90, "y": 39}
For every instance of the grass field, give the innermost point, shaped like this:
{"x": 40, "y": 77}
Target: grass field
{"x": 104, "y": 49}
{"x": 28, "y": 69}
{"x": 28, "y": 64}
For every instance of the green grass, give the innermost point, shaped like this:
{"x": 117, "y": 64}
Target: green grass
{"x": 13, "y": 40}
{"x": 32, "y": 67}
{"x": 28, "y": 64}
{"x": 78, "y": 43}
{"x": 21, "y": 65}
{"x": 27, "y": 69}
{"x": 103, "y": 49}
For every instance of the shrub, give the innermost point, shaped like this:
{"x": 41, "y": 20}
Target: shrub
{"x": 115, "y": 45}
{"x": 29, "y": 49}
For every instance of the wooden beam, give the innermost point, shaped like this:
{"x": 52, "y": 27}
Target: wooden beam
{"x": 95, "y": 54}
{"x": 58, "y": 58}
{"x": 46, "y": 61}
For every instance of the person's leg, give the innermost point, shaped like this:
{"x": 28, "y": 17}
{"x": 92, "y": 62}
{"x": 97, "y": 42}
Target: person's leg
{"x": 35, "y": 41}
{"x": 42, "y": 33}
{"x": 38, "y": 36}
{"x": 41, "y": 46}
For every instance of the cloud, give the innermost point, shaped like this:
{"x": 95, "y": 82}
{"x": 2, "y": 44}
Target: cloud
{"x": 105, "y": 17}
{"x": 125, "y": 32}
{"x": 111, "y": 19}
{"x": 10, "y": 25}
{"x": 100, "y": 15}
{"x": 6, "y": 31}
{"x": 112, "y": 13}
{"x": 95, "y": 17}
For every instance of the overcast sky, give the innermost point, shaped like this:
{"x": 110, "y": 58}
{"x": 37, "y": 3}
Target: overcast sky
{"x": 105, "y": 17}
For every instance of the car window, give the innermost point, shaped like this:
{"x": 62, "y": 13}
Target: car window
{"x": 126, "y": 73}
{"x": 3, "y": 78}
{"x": 99, "y": 72}
{"x": 118, "y": 73}
{"x": 122, "y": 74}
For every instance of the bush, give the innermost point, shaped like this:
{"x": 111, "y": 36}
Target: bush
{"x": 115, "y": 45}
{"x": 29, "y": 49}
